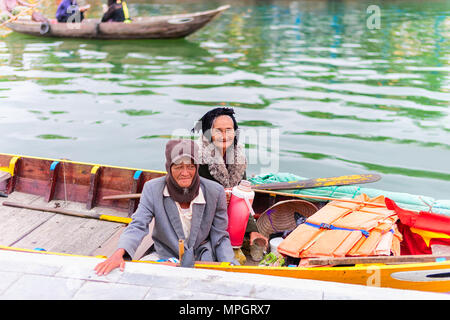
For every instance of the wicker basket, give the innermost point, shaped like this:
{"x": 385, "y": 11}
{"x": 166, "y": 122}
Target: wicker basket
{"x": 280, "y": 217}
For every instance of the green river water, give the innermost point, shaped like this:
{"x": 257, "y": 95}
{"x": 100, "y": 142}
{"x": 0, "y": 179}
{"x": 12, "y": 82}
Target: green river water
{"x": 317, "y": 90}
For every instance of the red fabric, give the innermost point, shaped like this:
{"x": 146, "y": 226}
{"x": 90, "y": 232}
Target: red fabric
{"x": 412, "y": 242}
{"x": 421, "y": 220}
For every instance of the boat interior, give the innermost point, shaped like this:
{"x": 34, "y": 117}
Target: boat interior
{"x": 78, "y": 187}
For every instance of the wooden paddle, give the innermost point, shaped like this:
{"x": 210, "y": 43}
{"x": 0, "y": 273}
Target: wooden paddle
{"x": 69, "y": 212}
{"x": 298, "y": 184}
{"x": 319, "y": 182}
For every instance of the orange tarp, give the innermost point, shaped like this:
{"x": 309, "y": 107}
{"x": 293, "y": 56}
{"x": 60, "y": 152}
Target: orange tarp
{"x": 341, "y": 229}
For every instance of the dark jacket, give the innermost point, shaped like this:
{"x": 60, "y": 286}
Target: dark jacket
{"x": 115, "y": 13}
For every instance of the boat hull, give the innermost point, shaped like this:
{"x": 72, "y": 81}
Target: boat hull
{"x": 159, "y": 27}
{"x": 87, "y": 184}
{"x": 432, "y": 276}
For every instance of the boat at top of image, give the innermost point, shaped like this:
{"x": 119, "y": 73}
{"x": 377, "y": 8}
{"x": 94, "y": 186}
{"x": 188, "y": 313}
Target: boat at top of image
{"x": 156, "y": 27}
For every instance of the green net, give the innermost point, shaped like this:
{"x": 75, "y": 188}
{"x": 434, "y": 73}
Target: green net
{"x": 404, "y": 200}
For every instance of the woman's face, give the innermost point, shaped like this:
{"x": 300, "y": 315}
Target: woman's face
{"x": 222, "y": 132}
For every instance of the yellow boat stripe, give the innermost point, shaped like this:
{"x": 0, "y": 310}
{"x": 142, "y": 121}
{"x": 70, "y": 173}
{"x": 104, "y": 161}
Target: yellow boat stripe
{"x": 94, "y": 169}
{"x": 38, "y": 251}
{"x": 83, "y": 163}
{"x": 12, "y": 165}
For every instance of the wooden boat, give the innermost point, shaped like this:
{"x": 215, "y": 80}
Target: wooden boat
{"x": 158, "y": 27}
{"x": 55, "y": 185}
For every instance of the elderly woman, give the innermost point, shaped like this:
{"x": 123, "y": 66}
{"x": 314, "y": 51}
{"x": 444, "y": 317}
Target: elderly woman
{"x": 184, "y": 206}
{"x": 221, "y": 158}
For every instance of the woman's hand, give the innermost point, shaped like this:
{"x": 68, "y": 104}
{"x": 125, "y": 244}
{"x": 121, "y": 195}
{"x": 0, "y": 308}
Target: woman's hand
{"x": 114, "y": 261}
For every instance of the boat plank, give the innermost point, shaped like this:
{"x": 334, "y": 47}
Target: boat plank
{"x": 30, "y": 229}
{"x": 110, "y": 245}
{"x": 16, "y": 223}
{"x": 69, "y": 235}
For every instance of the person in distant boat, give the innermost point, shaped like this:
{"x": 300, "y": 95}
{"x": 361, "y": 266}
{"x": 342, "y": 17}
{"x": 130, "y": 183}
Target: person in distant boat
{"x": 185, "y": 207}
{"x": 70, "y": 11}
{"x": 116, "y": 11}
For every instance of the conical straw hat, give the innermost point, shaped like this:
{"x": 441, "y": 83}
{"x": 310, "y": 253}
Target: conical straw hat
{"x": 280, "y": 217}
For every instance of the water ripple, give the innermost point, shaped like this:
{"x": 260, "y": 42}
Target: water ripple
{"x": 342, "y": 98}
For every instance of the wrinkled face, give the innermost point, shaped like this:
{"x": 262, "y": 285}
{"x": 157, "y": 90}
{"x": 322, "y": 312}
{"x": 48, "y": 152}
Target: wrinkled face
{"x": 222, "y": 132}
{"x": 183, "y": 171}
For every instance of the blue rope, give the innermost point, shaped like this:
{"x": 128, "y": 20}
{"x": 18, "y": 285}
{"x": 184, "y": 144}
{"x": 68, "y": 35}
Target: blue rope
{"x": 331, "y": 227}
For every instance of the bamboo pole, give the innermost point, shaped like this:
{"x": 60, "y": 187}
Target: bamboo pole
{"x": 123, "y": 196}
{"x": 295, "y": 195}
{"x": 138, "y": 195}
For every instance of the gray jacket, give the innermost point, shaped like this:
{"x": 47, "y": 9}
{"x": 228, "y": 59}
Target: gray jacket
{"x": 208, "y": 240}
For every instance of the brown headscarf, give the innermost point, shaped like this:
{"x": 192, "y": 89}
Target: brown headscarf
{"x": 175, "y": 150}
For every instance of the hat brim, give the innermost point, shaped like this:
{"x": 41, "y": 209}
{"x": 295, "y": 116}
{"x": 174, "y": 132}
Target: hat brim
{"x": 280, "y": 217}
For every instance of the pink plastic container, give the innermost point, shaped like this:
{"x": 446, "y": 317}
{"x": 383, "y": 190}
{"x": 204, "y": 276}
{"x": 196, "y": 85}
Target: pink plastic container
{"x": 239, "y": 209}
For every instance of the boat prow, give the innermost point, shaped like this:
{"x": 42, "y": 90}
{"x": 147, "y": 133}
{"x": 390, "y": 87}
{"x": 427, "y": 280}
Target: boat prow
{"x": 157, "y": 27}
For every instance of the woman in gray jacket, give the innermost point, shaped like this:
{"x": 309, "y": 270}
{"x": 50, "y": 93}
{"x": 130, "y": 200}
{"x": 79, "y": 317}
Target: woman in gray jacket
{"x": 183, "y": 206}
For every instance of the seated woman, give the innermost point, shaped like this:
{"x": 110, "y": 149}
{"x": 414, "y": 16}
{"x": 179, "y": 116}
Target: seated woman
{"x": 184, "y": 206}
{"x": 70, "y": 11}
{"x": 221, "y": 158}
{"x": 116, "y": 11}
